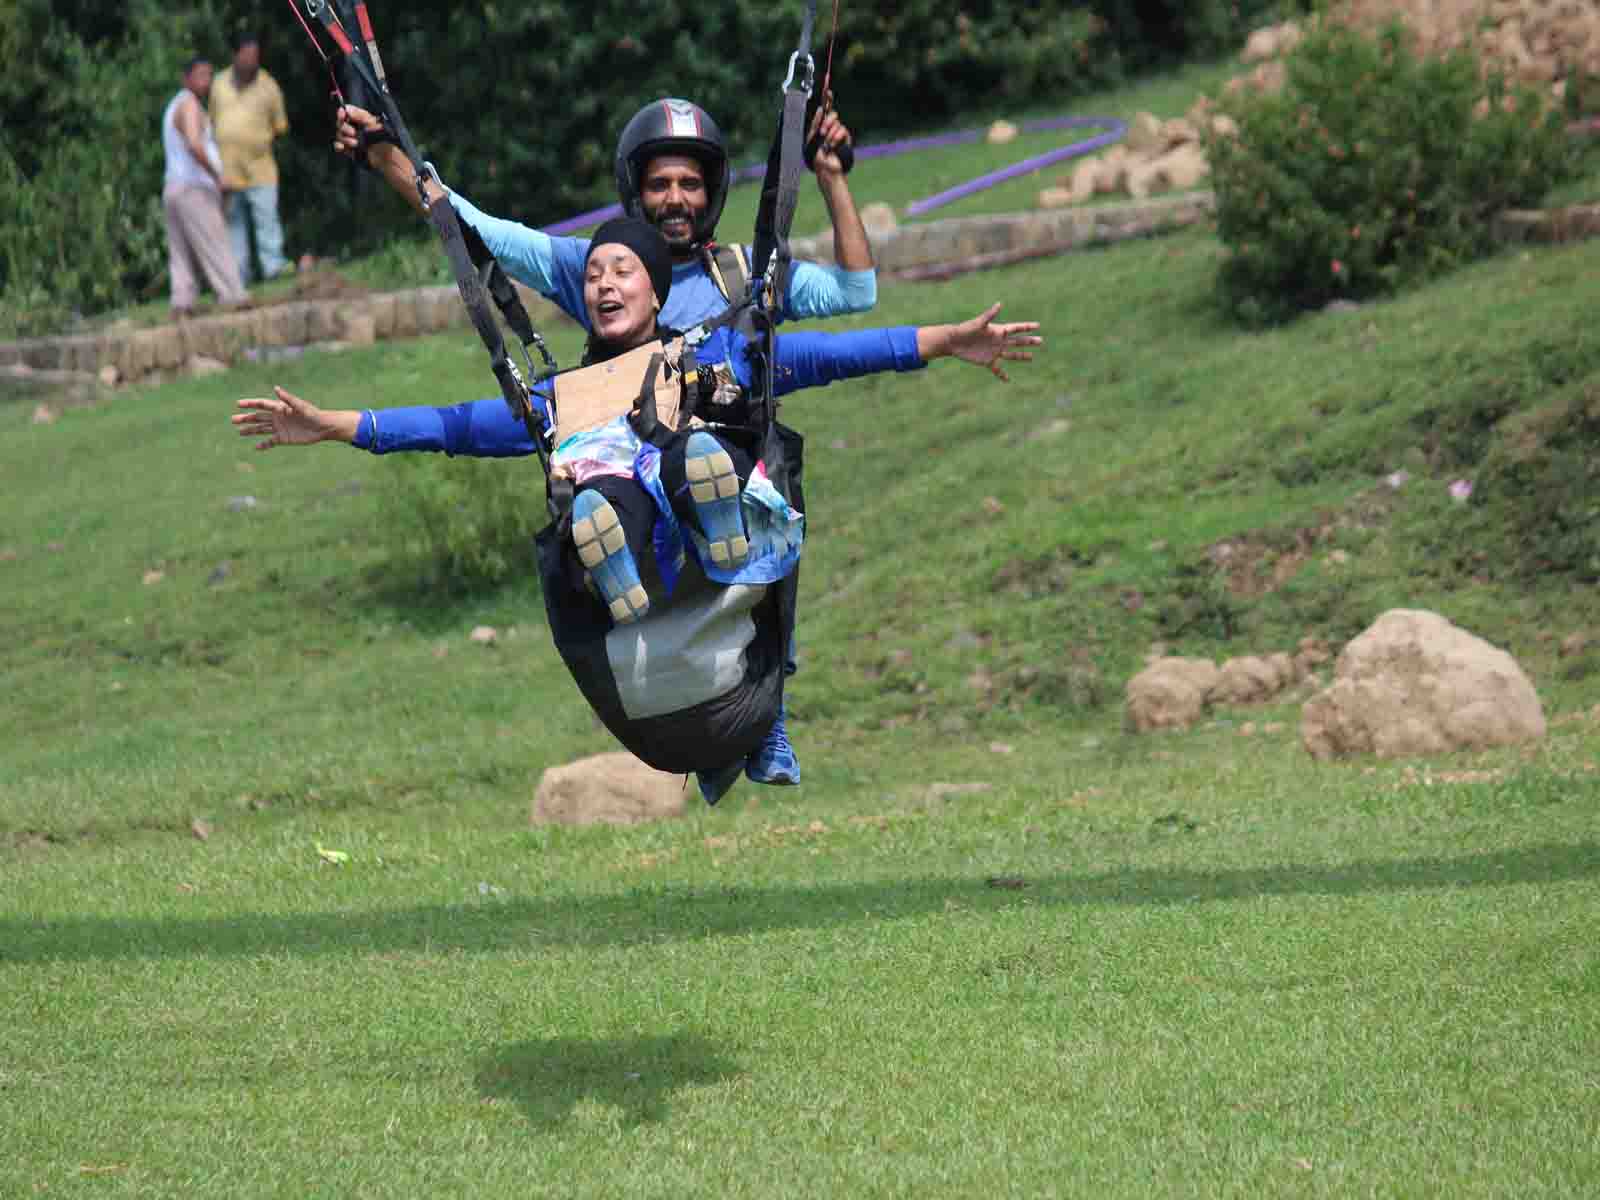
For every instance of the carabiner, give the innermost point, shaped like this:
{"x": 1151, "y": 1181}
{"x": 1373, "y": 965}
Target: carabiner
{"x": 810, "y": 76}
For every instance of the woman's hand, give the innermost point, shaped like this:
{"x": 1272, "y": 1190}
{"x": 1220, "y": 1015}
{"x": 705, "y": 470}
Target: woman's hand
{"x": 283, "y": 419}
{"x": 982, "y": 341}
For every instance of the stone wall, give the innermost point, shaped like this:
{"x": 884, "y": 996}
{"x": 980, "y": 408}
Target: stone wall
{"x": 932, "y": 249}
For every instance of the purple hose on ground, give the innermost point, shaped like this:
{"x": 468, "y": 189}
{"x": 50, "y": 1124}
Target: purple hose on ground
{"x": 1113, "y": 131}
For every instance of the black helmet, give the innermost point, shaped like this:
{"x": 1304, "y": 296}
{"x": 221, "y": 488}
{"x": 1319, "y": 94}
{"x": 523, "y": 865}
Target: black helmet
{"x": 674, "y": 127}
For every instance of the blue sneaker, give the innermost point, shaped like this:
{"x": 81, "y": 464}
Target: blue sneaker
{"x": 714, "y": 488}
{"x": 603, "y": 547}
{"x": 714, "y": 785}
{"x": 773, "y": 761}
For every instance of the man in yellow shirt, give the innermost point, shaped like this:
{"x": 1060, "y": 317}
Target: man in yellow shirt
{"x": 247, "y": 111}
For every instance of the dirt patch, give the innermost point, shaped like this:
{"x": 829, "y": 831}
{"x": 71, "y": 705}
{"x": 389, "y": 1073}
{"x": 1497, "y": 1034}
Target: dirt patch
{"x": 1260, "y": 562}
{"x": 317, "y": 283}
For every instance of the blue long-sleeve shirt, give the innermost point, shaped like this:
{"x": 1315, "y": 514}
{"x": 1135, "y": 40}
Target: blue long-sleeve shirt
{"x": 486, "y": 428}
{"x": 553, "y": 267}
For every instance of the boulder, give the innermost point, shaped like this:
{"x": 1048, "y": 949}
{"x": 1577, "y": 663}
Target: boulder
{"x": 1179, "y": 131}
{"x": 1251, "y": 679}
{"x": 1000, "y": 133}
{"x": 608, "y": 789}
{"x": 1183, "y": 168}
{"x": 1146, "y": 135}
{"x": 879, "y": 219}
{"x": 1260, "y": 45}
{"x": 1084, "y": 177}
{"x": 1415, "y": 684}
{"x": 1169, "y": 694}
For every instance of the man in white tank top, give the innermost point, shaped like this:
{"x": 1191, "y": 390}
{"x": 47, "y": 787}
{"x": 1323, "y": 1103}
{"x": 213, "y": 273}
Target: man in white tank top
{"x": 197, "y": 237}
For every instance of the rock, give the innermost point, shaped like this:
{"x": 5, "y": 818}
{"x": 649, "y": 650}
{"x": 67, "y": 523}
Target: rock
{"x": 1179, "y": 132}
{"x": 1145, "y": 135}
{"x": 1000, "y": 133}
{"x": 241, "y": 503}
{"x": 153, "y": 576}
{"x": 484, "y": 635}
{"x": 1145, "y": 180}
{"x": 1169, "y": 694}
{"x": 1260, "y": 45}
{"x": 43, "y": 414}
{"x": 109, "y": 375}
{"x": 360, "y": 328}
{"x": 1082, "y": 181}
{"x": 1183, "y": 168}
{"x": 607, "y": 789}
{"x": 879, "y": 219}
{"x": 1250, "y": 679}
{"x": 1415, "y": 684}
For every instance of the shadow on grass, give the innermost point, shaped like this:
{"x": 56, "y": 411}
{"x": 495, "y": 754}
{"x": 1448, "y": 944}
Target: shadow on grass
{"x": 549, "y": 1077}
{"x": 683, "y": 913}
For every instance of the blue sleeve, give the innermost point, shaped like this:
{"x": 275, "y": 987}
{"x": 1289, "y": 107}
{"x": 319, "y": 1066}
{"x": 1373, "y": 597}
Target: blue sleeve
{"x": 551, "y": 266}
{"x": 818, "y": 290}
{"x": 477, "y": 429}
{"x": 814, "y": 359}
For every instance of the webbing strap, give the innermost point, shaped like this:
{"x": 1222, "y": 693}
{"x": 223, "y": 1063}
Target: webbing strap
{"x": 780, "y": 193}
{"x": 780, "y": 187}
{"x": 477, "y": 273}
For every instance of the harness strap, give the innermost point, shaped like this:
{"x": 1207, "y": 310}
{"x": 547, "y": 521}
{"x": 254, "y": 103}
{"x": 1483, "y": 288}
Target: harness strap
{"x": 643, "y": 417}
{"x": 780, "y": 192}
{"x": 728, "y": 270}
{"x": 477, "y": 273}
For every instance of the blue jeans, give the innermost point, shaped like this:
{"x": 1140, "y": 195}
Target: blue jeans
{"x": 258, "y": 207}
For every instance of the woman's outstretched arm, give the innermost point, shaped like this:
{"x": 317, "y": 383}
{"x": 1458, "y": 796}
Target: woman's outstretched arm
{"x": 477, "y": 429}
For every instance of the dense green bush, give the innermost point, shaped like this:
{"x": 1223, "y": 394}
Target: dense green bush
{"x": 83, "y": 228}
{"x": 1371, "y": 169}
{"x": 464, "y": 523}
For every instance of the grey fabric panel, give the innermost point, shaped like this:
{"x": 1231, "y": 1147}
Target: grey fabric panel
{"x": 687, "y": 651}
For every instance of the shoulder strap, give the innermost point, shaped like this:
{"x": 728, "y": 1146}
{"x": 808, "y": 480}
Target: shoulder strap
{"x": 728, "y": 270}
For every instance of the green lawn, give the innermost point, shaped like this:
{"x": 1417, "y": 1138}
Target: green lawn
{"x": 1194, "y": 964}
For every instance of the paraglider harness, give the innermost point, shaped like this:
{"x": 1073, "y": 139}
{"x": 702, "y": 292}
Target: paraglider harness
{"x": 580, "y": 623}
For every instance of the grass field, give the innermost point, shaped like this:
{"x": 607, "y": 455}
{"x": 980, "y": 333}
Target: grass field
{"x": 993, "y": 945}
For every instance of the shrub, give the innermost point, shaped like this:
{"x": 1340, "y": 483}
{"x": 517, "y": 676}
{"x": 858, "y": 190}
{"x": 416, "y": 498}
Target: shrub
{"x": 1372, "y": 169}
{"x": 465, "y": 523}
{"x": 83, "y": 230}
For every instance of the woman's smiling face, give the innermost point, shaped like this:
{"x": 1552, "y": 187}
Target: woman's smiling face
{"x": 619, "y": 296}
